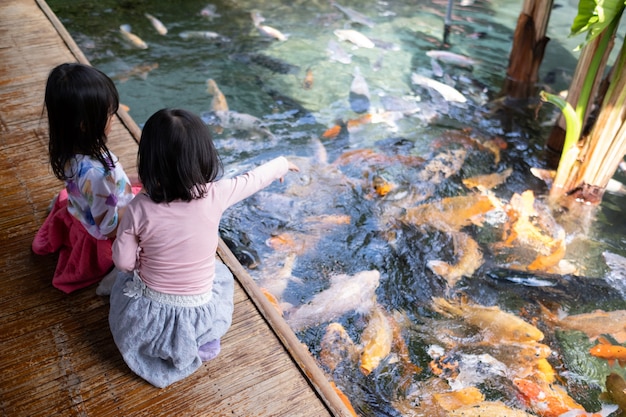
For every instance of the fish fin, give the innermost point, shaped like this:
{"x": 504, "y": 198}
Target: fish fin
{"x": 603, "y": 340}
{"x": 622, "y": 362}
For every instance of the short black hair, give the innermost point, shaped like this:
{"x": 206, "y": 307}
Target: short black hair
{"x": 177, "y": 157}
{"x": 79, "y": 100}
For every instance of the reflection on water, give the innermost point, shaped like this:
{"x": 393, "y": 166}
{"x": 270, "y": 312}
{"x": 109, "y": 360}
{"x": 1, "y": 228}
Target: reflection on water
{"x": 413, "y": 252}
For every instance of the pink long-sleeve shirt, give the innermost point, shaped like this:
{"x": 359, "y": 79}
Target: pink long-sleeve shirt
{"x": 173, "y": 245}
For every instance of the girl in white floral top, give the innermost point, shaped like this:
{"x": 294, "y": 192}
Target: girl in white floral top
{"x": 81, "y": 102}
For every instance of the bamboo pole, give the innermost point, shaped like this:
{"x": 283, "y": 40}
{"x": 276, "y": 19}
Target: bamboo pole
{"x": 529, "y": 43}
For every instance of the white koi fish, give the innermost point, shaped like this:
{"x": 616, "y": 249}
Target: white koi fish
{"x": 133, "y": 39}
{"x": 336, "y": 53}
{"x": 354, "y": 16}
{"x": 346, "y": 293}
{"x": 268, "y": 31}
{"x": 158, "y": 25}
{"x": 237, "y": 121}
{"x": 452, "y": 58}
{"x": 199, "y": 34}
{"x": 448, "y": 93}
{"x": 354, "y": 37}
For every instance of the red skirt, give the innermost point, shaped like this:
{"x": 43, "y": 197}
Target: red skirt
{"x": 83, "y": 259}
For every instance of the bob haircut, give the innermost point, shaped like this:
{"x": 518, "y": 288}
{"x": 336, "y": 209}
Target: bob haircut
{"x": 79, "y": 100}
{"x": 177, "y": 157}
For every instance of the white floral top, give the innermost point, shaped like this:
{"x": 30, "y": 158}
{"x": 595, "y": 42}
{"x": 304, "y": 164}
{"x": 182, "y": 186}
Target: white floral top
{"x": 95, "y": 193}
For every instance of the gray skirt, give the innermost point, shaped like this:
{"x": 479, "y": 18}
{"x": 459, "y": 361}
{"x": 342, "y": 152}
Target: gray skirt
{"x": 159, "y": 334}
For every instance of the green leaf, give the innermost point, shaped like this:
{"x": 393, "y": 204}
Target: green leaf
{"x": 594, "y": 16}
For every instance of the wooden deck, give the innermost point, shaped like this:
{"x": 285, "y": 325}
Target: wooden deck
{"x": 57, "y": 356}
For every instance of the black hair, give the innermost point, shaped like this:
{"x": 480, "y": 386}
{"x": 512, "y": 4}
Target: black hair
{"x": 79, "y": 100}
{"x": 177, "y": 157}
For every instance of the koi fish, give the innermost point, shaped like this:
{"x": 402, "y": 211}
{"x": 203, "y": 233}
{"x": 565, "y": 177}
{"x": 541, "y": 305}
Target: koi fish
{"x": 218, "y": 103}
{"x": 268, "y": 31}
{"x": 488, "y": 181}
{"x": 449, "y": 93}
{"x": 453, "y": 400}
{"x": 307, "y": 83}
{"x": 469, "y": 259}
{"x": 157, "y": 24}
{"x": 352, "y": 36}
{"x": 547, "y": 400}
{"x": 593, "y": 324}
{"x": 451, "y": 58}
{"x": 336, "y": 347}
{"x": 238, "y": 121}
{"x": 606, "y": 350}
{"x": 140, "y": 71}
{"x": 451, "y": 214}
{"x": 344, "y": 399}
{"x": 442, "y": 166}
{"x": 615, "y": 390}
{"x": 133, "y": 39}
{"x": 199, "y": 34}
{"x": 488, "y": 409}
{"x": 495, "y": 324}
{"x": 272, "y": 299}
{"x": 209, "y": 11}
{"x": 353, "y": 15}
{"x": 376, "y": 340}
{"x": 336, "y": 53}
{"x": 359, "y": 93}
{"x": 346, "y": 293}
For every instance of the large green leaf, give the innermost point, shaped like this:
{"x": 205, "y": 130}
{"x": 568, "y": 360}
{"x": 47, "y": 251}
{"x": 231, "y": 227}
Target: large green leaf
{"x": 595, "y": 15}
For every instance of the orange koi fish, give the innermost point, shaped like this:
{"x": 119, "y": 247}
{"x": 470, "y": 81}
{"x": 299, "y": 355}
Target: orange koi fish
{"x": 546, "y": 400}
{"x": 456, "y": 399}
{"x": 496, "y": 325}
{"x": 376, "y": 340}
{"x": 606, "y": 350}
{"x": 336, "y": 347}
{"x": 469, "y": 259}
{"x": 488, "y": 181}
{"x": 344, "y": 399}
{"x": 450, "y": 214}
{"x": 488, "y": 409}
{"x": 307, "y": 84}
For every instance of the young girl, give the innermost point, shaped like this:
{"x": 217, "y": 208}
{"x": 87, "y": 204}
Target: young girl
{"x": 81, "y": 101}
{"x": 173, "y": 300}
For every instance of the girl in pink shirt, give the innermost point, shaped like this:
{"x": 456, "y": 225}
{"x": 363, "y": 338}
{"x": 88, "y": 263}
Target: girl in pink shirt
{"x": 173, "y": 300}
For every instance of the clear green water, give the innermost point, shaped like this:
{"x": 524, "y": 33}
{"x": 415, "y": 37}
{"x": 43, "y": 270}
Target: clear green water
{"x": 298, "y": 117}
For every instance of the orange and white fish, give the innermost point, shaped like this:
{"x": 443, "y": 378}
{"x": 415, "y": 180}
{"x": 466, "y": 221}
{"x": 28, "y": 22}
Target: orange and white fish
{"x": 469, "y": 259}
{"x": 133, "y": 39}
{"x": 157, "y": 24}
{"x": 495, "y": 324}
{"x": 606, "y": 350}
{"x": 141, "y": 71}
{"x": 544, "y": 399}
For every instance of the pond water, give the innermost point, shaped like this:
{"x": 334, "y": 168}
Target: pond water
{"x": 404, "y": 279}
